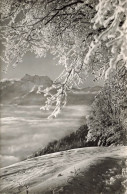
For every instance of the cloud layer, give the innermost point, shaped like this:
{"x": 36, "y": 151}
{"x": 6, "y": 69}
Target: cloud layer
{"x": 26, "y": 129}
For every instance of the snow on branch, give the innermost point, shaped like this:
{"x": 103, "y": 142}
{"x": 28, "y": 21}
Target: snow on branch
{"x": 87, "y": 37}
{"x": 112, "y": 15}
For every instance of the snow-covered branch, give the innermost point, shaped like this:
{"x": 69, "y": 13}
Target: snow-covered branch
{"x": 87, "y": 37}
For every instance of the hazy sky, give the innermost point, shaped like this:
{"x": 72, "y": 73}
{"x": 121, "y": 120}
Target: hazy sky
{"x": 34, "y": 66}
{"x": 38, "y": 66}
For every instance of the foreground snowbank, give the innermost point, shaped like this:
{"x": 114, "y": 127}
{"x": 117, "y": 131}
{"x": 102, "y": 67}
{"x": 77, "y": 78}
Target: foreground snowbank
{"x": 78, "y": 170}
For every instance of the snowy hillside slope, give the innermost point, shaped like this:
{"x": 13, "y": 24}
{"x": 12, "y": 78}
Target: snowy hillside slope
{"x": 85, "y": 170}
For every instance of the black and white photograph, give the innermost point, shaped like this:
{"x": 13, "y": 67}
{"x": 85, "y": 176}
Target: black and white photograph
{"x": 63, "y": 96}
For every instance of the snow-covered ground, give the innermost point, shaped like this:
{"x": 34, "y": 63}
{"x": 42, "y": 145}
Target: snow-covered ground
{"x": 73, "y": 171}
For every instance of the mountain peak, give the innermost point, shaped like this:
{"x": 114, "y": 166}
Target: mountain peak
{"x": 36, "y": 79}
{"x": 28, "y": 77}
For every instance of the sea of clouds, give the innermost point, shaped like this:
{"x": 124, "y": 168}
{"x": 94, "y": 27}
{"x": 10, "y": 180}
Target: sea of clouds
{"x": 25, "y": 129}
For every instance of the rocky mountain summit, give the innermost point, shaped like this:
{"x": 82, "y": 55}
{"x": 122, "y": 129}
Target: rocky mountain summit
{"x": 24, "y": 91}
{"x": 44, "y": 81}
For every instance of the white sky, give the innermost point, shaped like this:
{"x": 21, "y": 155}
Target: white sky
{"x": 39, "y": 66}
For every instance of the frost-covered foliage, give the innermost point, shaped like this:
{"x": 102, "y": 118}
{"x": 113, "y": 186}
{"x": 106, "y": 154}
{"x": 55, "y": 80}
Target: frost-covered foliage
{"x": 108, "y": 119}
{"x": 82, "y": 34}
{"x": 112, "y": 15}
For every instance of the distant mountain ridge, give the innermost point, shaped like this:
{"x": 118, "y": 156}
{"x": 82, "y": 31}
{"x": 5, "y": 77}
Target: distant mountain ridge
{"x": 38, "y": 80}
{"x": 24, "y": 91}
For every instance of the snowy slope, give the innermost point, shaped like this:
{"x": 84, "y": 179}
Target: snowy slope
{"x": 45, "y": 174}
